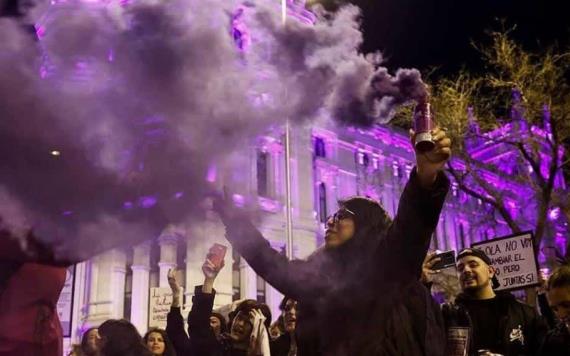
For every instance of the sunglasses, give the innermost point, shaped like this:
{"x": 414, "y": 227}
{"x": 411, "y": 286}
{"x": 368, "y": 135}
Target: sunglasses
{"x": 341, "y": 214}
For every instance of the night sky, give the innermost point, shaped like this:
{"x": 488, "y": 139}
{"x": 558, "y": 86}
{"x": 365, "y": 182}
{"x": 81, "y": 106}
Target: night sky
{"x": 437, "y": 33}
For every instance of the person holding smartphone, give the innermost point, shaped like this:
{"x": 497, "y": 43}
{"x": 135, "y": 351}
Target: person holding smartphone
{"x": 360, "y": 293}
{"x": 247, "y": 335}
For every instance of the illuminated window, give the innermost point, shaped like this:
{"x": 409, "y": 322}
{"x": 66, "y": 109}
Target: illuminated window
{"x": 320, "y": 149}
{"x": 262, "y": 170}
{"x": 322, "y": 203}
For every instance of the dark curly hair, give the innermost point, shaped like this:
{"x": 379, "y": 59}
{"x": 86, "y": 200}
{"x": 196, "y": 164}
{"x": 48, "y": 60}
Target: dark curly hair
{"x": 168, "y": 346}
{"x": 85, "y": 350}
{"x": 121, "y": 338}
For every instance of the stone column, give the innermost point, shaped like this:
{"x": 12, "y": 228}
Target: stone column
{"x": 168, "y": 242}
{"x": 248, "y": 281}
{"x": 141, "y": 285}
{"x": 107, "y": 287}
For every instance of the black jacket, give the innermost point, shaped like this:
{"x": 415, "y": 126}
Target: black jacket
{"x": 201, "y": 340}
{"x": 358, "y": 299}
{"x": 556, "y": 342}
{"x": 281, "y": 345}
{"x": 514, "y": 318}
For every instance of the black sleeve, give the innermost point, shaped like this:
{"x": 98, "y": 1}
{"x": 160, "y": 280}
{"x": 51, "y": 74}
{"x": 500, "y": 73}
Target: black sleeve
{"x": 202, "y": 337}
{"x": 406, "y": 244}
{"x": 537, "y": 333}
{"x": 297, "y": 279}
{"x": 175, "y": 331}
{"x": 545, "y": 311}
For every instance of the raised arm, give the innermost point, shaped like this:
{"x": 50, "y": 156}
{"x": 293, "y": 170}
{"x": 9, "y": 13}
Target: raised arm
{"x": 174, "y": 320}
{"x": 401, "y": 253}
{"x": 298, "y": 279}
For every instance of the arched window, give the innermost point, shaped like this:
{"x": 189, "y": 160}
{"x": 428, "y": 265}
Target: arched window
{"x": 322, "y": 203}
{"x": 320, "y": 149}
{"x": 262, "y": 170}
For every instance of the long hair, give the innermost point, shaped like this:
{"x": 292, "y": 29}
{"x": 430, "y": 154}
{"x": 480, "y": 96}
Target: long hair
{"x": 85, "y": 343}
{"x": 121, "y": 338}
{"x": 168, "y": 346}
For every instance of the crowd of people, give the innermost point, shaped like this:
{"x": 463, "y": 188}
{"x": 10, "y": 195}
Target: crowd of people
{"x": 365, "y": 292}
{"x": 497, "y": 323}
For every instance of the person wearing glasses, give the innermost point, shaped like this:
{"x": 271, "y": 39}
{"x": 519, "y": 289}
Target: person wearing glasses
{"x": 360, "y": 294}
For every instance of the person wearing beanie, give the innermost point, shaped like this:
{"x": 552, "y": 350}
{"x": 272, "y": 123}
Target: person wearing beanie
{"x": 360, "y": 294}
{"x": 497, "y": 321}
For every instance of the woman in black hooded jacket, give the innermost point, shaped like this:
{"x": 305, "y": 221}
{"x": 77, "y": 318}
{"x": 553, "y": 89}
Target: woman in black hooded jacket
{"x": 360, "y": 294}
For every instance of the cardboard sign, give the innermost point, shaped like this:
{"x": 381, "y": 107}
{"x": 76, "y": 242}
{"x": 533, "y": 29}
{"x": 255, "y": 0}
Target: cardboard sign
{"x": 159, "y": 306}
{"x": 514, "y": 260}
{"x": 65, "y": 302}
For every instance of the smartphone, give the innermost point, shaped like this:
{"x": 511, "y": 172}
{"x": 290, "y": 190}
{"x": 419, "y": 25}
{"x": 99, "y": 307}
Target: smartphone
{"x": 217, "y": 254}
{"x": 446, "y": 259}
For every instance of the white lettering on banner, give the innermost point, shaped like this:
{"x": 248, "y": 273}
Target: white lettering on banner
{"x": 514, "y": 260}
{"x": 159, "y": 306}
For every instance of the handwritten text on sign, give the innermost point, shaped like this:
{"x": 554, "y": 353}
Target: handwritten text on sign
{"x": 159, "y": 306}
{"x": 513, "y": 259}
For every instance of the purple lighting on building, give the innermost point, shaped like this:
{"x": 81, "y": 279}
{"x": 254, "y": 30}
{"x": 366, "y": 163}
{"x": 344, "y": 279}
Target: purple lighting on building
{"x": 554, "y": 213}
{"x": 147, "y": 202}
{"x": 212, "y": 173}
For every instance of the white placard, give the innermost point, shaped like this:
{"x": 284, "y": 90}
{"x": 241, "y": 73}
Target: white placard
{"x": 65, "y": 302}
{"x": 514, "y": 260}
{"x": 159, "y": 306}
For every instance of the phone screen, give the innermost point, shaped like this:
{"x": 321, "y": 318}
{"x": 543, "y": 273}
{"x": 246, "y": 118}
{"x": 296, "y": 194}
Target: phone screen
{"x": 217, "y": 254}
{"x": 446, "y": 259}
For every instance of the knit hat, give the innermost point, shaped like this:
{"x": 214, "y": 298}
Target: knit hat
{"x": 482, "y": 256}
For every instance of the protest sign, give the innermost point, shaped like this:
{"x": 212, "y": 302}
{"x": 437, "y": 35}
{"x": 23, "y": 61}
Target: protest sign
{"x": 514, "y": 260}
{"x": 159, "y": 306}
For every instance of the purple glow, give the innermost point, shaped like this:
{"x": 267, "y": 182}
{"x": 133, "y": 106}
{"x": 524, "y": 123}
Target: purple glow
{"x": 127, "y": 205}
{"x": 212, "y": 173}
{"x": 147, "y": 202}
{"x": 239, "y": 200}
{"x": 178, "y": 195}
{"x": 554, "y": 213}
{"x": 67, "y": 213}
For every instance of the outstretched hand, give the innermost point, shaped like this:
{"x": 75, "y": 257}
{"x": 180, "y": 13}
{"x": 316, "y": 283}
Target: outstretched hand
{"x": 427, "y": 271}
{"x": 210, "y": 270}
{"x": 172, "y": 282}
{"x": 224, "y": 205}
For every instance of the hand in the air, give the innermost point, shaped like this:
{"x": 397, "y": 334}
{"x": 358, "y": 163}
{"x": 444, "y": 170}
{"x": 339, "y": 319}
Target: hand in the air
{"x": 430, "y": 163}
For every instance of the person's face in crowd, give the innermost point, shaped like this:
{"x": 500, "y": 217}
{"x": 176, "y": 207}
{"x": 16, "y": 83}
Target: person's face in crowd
{"x": 474, "y": 273}
{"x": 93, "y": 340}
{"x": 340, "y": 228}
{"x": 290, "y": 315}
{"x": 559, "y": 300}
{"x": 216, "y": 325}
{"x": 241, "y": 327}
{"x": 155, "y": 343}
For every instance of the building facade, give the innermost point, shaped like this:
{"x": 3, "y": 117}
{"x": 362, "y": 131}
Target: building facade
{"x": 328, "y": 164}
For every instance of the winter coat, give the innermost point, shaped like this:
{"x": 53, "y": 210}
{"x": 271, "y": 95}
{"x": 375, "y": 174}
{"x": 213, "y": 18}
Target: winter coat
{"x": 201, "y": 340}
{"x": 522, "y": 329}
{"x": 556, "y": 342}
{"x": 29, "y": 291}
{"x": 281, "y": 345}
{"x": 356, "y": 299}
